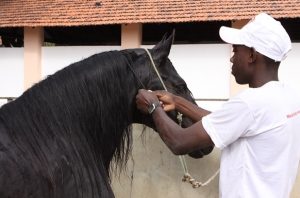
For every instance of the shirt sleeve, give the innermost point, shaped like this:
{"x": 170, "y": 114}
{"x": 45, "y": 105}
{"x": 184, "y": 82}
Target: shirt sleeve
{"x": 229, "y": 123}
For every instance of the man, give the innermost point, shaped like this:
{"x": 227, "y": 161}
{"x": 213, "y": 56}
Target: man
{"x": 258, "y": 130}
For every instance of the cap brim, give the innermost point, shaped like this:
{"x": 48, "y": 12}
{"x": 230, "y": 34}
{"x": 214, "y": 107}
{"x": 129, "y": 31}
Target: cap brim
{"x": 230, "y": 35}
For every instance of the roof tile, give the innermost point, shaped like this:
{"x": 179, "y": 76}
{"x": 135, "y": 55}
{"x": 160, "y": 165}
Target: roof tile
{"x": 18, "y": 13}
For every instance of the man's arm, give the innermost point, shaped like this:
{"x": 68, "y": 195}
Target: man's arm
{"x": 179, "y": 140}
{"x": 189, "y": 109}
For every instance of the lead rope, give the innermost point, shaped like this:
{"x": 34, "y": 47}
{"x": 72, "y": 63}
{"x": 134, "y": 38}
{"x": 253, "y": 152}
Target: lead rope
{"x": 186, "y": 177}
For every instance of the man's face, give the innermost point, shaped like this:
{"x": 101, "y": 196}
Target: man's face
{"x": 241, "y": 69}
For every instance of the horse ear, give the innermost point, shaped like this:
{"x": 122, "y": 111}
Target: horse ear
{"x": 161, "y": 50}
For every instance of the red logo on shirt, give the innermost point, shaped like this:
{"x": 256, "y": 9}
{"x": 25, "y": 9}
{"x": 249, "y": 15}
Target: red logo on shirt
{"x": 293, "y": 114}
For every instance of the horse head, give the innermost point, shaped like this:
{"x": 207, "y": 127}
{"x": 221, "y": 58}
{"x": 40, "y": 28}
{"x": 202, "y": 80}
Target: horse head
{"x": 149, "y": 79}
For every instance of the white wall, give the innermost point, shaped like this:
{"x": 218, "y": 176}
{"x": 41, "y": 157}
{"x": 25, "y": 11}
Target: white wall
{"x": 53, "y": 59}
{"x": 289, "y": 71}
{"x": 56, "y": 58}
{"x": 11, "y": 72}
{"x": 205, "y": 67}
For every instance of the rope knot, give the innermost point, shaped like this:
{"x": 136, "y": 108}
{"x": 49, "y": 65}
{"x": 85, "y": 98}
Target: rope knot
{"x": 188, "y": 178}
{"x": 179, "y": 118}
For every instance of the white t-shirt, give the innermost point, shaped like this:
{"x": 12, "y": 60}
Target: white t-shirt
{"x": 258, "y": 132}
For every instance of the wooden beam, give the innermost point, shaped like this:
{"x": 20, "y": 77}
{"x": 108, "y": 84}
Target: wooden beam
{"x": 33, "y": 42}
{"x": 131, "y": 36}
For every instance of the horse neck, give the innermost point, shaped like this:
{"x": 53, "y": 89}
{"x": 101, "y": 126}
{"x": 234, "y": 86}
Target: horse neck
{"x": 108, "y": 114}
{"x": 92, "y": 110}
{"x": 114, "y": 90}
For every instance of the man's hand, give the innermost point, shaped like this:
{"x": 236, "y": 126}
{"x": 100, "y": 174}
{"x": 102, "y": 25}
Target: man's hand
{"x": 144, "y": 99}
{"x": 167, "y": 99}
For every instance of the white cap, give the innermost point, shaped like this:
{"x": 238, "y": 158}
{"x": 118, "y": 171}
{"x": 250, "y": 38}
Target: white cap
{"x": 263, "y": 33}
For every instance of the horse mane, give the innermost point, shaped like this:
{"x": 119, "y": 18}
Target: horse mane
{"x": 82, "y": 112}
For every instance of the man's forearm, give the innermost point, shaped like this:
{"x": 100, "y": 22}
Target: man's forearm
{"x": 180, "y": 140}
{"x": 169, "y": 131}
{"x": 189, "y": 109}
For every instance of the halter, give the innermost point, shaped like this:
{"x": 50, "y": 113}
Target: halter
{"x": 186, "y": 177}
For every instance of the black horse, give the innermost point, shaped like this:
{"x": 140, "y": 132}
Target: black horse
{"x": 59, "y": 138}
